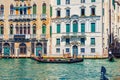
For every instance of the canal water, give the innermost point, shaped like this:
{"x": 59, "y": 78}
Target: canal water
{"x": 28, "y": 69}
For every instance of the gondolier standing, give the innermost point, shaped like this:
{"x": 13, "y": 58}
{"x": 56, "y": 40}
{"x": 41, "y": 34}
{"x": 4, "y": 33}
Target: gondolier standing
{"x": 39, "y": 53}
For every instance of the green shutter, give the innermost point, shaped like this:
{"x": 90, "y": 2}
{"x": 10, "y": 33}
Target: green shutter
{"x": 11, "y": 30}
{"x": 58, "y": 42}
{"x": 0, "y": 30}
{"x": 44, "y": 9}
{"x": 82, "y": 27}
{"x": 50, "y": 31}
{"x": 58, "y": 2}
{"x": 50, "y": 11}
{"x": 92, "y": 41}
{"x": 67, "y": 28}
{"x": 44, "y": 29}
{"x": 113, "y": 2}
{"x": 34, "y": 9}
{"x": 92, "y": 0}
{"x": 75, "y": 27}
{"x": 92, "y": 27}
{"x": 34, "y": 29}
{"x": 58, "y": 28}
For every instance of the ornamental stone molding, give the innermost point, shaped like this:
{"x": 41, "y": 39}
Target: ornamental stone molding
{"x": 79, "y": 19}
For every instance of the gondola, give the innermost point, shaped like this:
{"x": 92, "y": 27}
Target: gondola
{"x": 111, "y": 58}
{"x": 71, "y": 60}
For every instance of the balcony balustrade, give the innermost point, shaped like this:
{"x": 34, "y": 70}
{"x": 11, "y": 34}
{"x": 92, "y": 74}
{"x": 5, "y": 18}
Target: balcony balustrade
{"x": 43, "y": 36}
{"x": 22, "y": 17}
{"x": 1, "y": 17}
{"x": 1, "y": 36}
{"x": 43, "y": 16}
{"x": 11, "y": 36}
{"x": 33, "y": 36}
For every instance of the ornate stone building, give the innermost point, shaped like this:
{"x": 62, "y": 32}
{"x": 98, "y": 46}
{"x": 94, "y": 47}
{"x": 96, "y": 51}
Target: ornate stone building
{"x": 78, "y": 28}
{"x": 24, "y": 27}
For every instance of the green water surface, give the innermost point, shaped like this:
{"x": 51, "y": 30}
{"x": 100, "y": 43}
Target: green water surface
{"x": 28, "y": 69}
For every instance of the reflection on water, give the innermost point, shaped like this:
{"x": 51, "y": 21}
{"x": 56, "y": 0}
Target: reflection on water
{"x": 27, "y": 69}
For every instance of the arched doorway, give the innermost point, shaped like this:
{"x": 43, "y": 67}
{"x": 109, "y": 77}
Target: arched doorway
{"x": 75, "y": 50}
{"x": 6, "y": 49}
{"x": 38, "y": 48}
{"x": 23, "y": 48}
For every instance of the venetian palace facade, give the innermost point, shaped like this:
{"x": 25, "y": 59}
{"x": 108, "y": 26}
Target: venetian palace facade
{"x": 54, "y": 27}
{"x": 24, "y": 27}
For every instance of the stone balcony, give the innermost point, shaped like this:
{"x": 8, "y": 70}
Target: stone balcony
{"x": 11, "y": 36}
{"x": 33, "y": 36}
{"x": 1, "y": 17}
{"x": 1, "y": 36}
{"x": 22, "y": 17}
{"x": 70, "y": 35}
{"x": 43, "y": 16}
{"x": 43, "y": 36}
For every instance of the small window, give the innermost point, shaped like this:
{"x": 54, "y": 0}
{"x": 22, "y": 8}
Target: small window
{"x": 93, "y": 11}
{"x": 58, "y": 2}
{"x": 82, "y": 50}
{"x": 67, "y": 41}
{"x": 67, "y": 50}
{"x": 67, "y": 28}
{"x": 93, "y": 27}
{"x": 92, "y": 41}
{"x": 58, "y": 41}
{"x": 92, "y": 50}
{"x": 82, "y": 41}
{"x": 82, "y": 1}
{"x": 92, "y": 0}
{"x": 58, "y": 28}
{"x": 82, "y": 12}
{"x": 58, "y": 13}
{"x": 67, "y": 1}
{"x": 57, "y": 50}
{"x": 68, "y": 13}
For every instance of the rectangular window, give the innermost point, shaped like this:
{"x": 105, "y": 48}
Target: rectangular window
{"x": 93, "y": 11}
{"x": 67, "y": 41}
{"x": 82, "y": 27}
{"x": 50, "y": 11}
{"x": 82, "y": 12}
{"x": 92, "y": 0}
{"x": 67, "y": 50}
{"x": 58, "y": 2}
{"x": 82, "y": 41}
{"x": 92, "y": 41}
{"x": 57, "y": 50}
{"x": 67, "y": 28}
{"x": 2, "y": 30}
{"x": 58, "y": 41}
{"x": 82, "y": 1}
{"x": 11, "y": 30}
{"x": 58, "y": 28}
{"x": 50, "y": 31}
{"x": 92, "y": 50}
{"x": 67, "y": 13}
{"x": 67, "y": 1}
{"x": 82, "y": 50}
{"x": 58, "y": 13}
{"x": 92, "y": 27}
{"x": 103, "y": 11}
